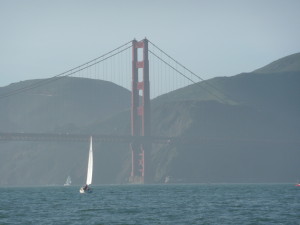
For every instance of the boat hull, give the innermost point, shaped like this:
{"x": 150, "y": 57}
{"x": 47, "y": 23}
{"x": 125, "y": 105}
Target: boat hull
{"x": 82, "y": 191}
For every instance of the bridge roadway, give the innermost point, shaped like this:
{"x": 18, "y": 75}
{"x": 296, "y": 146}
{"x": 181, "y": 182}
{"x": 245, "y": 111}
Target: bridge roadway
{"x": 53, "y": 137}
{"x": 81, "y": 137}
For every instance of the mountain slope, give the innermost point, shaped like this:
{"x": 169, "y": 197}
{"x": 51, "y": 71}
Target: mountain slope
{"x": 268, "y": 91}
{"x": 250, "y": 121}
{"x": 60, "y": 105}
{"x": 289, "y": 63}
{"x": 63, "y": 106}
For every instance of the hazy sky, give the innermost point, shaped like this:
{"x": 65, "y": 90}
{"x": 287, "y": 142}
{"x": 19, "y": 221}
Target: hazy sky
{"x": 42, "y": 38}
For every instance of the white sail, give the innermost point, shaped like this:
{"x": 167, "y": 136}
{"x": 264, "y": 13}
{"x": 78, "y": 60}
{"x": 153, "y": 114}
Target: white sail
{"x": 68, "y": 181}
{"x": 90, "y": 165}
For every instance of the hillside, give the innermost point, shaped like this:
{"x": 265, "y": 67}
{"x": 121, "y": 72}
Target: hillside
{"x": 252, "y": 122}
{"x": 61, "y": 105}
{"x": 289, "y": 63}
{"x": 248, "y": 124}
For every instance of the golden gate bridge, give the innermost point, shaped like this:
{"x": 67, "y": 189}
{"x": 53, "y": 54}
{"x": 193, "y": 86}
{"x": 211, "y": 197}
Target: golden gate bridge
{"x": 167, "y": 75}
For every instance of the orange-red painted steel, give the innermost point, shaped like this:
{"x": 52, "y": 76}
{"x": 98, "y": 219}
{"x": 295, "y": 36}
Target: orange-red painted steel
{"x": 140, "y": 112}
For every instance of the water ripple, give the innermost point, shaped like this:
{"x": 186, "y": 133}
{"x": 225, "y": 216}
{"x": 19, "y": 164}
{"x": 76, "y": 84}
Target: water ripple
{"x": 153, "y": 204}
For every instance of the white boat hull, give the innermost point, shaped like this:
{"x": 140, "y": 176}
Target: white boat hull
{"x": 82, "y": 191}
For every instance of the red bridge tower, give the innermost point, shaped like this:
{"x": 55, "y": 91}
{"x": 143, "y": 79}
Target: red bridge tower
{"x": 140, "y": 112}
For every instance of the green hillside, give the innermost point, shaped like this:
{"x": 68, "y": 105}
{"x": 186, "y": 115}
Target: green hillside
{"x": 289, "y": 63}
{"x": 64, "y": 106}
{"x": 61, "y": 105}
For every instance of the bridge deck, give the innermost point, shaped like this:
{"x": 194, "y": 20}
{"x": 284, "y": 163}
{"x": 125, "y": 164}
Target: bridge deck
{"x": 79, "y": 137}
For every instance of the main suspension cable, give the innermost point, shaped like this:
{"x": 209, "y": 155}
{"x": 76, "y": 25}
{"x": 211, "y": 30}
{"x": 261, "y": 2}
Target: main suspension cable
{"x": 197, "y": 83}
{"x": 200, "y": 78}
{"x": 67, "y": 73}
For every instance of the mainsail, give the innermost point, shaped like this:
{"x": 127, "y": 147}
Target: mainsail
{"x": 90, "y": 165}
{"x": 68, "y": 181}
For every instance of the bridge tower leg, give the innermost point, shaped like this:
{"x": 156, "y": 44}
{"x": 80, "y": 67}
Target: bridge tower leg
{"x": 140, "y": 112}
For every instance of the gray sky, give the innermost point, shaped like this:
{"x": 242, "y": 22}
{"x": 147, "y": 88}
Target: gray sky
{"x": 42, "y": 38}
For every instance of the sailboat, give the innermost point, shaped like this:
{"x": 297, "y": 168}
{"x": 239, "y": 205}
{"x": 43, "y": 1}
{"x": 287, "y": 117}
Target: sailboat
{"x": 68, "y": 181}
{"x": 89, "y": 176}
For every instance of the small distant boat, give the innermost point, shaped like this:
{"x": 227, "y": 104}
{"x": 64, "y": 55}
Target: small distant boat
{"x": 167, "y": 179}
{"x": 89, "y": 176}
{"x": 297, "y": 185}
{"x": 68, "y": 181}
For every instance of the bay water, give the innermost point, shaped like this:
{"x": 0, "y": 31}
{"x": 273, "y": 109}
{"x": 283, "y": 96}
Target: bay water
{"x": 153, "y": 204}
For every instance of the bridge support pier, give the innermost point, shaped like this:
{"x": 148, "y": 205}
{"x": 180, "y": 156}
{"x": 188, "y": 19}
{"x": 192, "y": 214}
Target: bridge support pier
{"x": 140, "y": 113}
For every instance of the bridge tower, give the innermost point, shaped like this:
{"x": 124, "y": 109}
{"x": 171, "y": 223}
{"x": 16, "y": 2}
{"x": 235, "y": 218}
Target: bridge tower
{"x": 140, "y": 112}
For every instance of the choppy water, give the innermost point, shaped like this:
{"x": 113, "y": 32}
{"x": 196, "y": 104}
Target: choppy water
{"x": 153, "y": 204}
